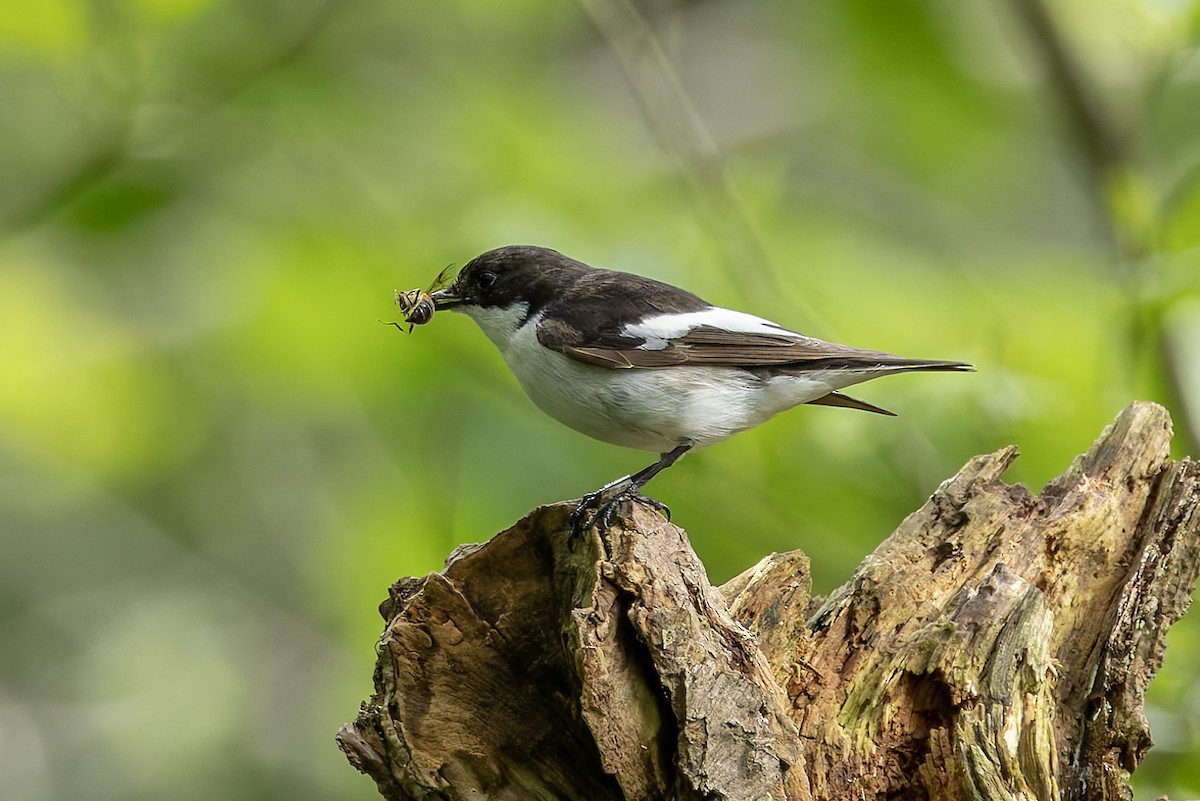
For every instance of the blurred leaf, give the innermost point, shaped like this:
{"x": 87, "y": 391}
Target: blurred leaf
{"x": 87, "y": 393}
{"x": 1182, "y": 224}
{"x": 47, "y": 27}
{"x": 1132, "y": 205}
{"x": 172, "y": 10}
{"x": 118, "y": 203}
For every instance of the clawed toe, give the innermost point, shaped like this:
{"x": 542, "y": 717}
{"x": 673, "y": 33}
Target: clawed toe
{"x": 658, "y": 505}
{"x": 580, "y": 520}
{"x": 583, "y": 517}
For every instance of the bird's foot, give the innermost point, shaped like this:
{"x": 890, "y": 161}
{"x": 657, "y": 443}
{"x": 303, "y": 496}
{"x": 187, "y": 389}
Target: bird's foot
{"x": 579, "y": 520}
{"x": 604, "y": 508}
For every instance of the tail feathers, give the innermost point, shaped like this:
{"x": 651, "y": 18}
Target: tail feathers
{"x": 887, "y": 363}
{"x": 872, "y": 368}
{"x": 930, "y": 364}
{"x": 879, "y": 363}
{"x": 847, "y": 402}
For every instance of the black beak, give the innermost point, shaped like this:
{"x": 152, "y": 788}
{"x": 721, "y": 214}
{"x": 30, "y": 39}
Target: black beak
{"x": 445, "y": 298}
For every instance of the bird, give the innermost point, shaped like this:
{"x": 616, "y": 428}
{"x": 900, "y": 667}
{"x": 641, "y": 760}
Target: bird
{"x": 642, "y": 364}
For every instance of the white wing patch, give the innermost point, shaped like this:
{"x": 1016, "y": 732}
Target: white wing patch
{"x": 660, "y": 330}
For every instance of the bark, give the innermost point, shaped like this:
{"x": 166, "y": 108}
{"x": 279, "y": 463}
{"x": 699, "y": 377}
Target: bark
{"x": 998, "y": 645}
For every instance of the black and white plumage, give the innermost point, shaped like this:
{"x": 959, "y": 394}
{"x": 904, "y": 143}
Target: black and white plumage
{"x": 642, "y": 364}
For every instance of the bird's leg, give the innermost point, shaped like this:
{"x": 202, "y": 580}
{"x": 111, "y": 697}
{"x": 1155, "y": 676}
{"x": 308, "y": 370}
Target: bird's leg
{"x": 579, "y": 513}
{"x": 608, "y": 496}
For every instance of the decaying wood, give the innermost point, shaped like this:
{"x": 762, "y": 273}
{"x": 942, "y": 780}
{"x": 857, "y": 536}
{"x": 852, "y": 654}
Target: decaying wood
{"x": 996, "y": 646}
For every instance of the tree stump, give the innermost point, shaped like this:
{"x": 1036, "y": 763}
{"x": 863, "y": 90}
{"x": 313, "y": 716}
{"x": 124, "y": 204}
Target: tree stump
{"x": 998, "y": 645}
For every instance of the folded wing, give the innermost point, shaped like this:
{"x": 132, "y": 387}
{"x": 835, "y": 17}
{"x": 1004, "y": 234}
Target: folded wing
{"x": 716, "y": 347}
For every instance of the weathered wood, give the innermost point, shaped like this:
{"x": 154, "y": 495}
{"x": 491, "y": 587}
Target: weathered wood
{"x": 996, "y": 646}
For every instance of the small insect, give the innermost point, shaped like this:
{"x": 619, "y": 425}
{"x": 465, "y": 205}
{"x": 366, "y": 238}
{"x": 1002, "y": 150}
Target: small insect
{"x": 416, "y": 304}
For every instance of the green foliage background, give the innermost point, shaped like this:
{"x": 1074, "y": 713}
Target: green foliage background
{"x": 214, "y": 459}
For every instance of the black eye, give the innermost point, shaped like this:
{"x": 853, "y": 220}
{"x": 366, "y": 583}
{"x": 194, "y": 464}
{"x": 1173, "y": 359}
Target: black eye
{"x": 485, "y": 279}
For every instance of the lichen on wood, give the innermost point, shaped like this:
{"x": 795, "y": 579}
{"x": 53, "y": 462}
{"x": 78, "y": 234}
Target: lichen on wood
{"x": 996, "y": 646}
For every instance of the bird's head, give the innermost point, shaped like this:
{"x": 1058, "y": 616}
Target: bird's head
{"x": 507, "y": 276}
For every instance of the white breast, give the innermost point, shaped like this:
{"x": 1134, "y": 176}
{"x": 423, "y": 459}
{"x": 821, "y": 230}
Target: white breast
{"x": 649, "y": 409}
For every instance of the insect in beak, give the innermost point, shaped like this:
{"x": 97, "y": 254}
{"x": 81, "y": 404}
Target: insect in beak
{"x": 419, "y": 305}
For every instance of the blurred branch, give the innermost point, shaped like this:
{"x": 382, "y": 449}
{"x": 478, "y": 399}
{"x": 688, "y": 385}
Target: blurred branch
{"x": 1104, "y": 141}
{"x": 1175, "y": 355}
{"x": 113, "y": 148}
{"x": 681, "y": 132}
{"x": 1101, "y": 137}
{"x": 89, "y": 169}
{"x": 1128, "y": 205}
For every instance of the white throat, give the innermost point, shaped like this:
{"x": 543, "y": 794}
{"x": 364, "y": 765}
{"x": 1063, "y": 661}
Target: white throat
{"x": 498, "y": 323}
